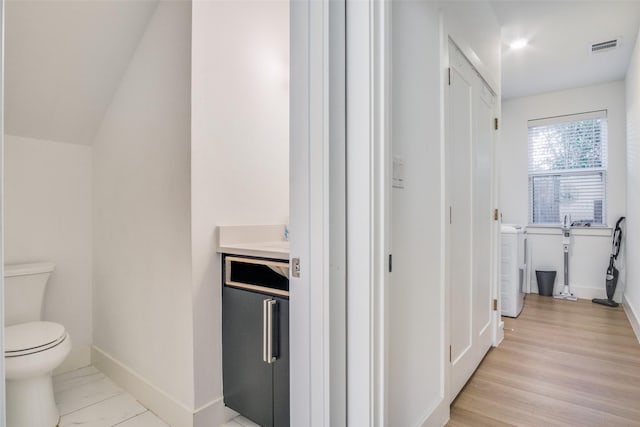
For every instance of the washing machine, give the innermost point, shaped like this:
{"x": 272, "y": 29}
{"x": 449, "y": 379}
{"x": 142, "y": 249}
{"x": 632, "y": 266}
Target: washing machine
{"x": 514, "y": 280}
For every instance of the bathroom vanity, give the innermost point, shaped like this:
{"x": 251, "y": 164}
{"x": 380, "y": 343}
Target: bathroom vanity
{"x": 255, "y": 330}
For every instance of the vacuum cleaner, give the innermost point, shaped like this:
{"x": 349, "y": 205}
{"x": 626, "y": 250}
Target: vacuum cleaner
{"x": 566, "y": 241}
{"x": 612, "y": 271}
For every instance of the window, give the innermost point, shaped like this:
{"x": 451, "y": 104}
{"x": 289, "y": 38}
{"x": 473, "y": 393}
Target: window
{"x": 568, "y": 168}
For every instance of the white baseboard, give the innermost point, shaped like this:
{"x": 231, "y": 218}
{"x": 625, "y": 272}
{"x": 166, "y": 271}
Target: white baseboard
{"x": 500, "y": 334}
{"x": 173, "y": 412}
{"x": 582, "y": 292}
{"x": 436, "y": 415}
{"x": 588, "y": 293}
{"x": 632, "y": 315}
{"x": 79, "y": 357}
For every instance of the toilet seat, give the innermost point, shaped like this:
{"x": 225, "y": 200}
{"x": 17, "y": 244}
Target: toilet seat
{"x": 32, "y": 337}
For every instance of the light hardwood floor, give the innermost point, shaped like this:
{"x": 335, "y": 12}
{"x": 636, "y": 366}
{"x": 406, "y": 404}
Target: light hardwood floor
{"x": 561, "y": 363}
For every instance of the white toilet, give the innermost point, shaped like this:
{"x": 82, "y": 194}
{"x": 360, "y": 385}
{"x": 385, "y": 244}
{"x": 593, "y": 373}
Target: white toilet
{"x": 33, "y": 348}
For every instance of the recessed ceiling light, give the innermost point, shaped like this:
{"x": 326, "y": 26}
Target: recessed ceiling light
{"x": 519, "y": 44}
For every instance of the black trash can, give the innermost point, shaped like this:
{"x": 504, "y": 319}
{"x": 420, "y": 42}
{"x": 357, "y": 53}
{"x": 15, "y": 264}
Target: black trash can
{"x": 546, "y": 280}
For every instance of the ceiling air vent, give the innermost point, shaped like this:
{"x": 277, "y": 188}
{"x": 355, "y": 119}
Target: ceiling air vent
{"x": 604, "y": 46}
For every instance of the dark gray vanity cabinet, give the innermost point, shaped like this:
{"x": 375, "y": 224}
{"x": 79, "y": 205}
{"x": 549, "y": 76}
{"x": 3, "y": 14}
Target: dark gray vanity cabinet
{"x": 255, "y": 339}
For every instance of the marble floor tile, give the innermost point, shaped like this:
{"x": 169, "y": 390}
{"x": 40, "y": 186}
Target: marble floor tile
{"x": 146, "y": 419}
{"x": 76, "y": 378}
{"x": 231, "y": 423}
{"x": 245, "y": 422}
{"x": 106, "y": 413}
{"x": 86, "y": 394}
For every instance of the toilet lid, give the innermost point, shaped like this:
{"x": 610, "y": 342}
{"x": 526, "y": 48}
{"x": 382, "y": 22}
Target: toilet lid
{"x": 32, "y": 337}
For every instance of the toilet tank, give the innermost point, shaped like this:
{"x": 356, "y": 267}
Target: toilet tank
{"x": 24, "y": 287}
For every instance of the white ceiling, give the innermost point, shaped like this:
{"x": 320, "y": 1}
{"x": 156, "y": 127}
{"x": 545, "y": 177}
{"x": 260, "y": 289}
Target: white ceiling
{"x": 64, "y": 61}
{"x": 559, "y": 34}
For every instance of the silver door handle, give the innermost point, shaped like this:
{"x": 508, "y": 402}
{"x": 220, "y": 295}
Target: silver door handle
{"x": 268, "y": 306}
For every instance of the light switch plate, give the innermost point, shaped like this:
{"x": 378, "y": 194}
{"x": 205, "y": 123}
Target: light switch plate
{"x": 398, "y": 172}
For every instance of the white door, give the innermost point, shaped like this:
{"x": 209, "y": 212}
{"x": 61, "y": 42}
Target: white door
{"x": 469, "y": 153}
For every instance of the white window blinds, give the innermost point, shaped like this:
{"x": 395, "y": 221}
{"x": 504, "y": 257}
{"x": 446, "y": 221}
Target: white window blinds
{"x": 567, "y": 168}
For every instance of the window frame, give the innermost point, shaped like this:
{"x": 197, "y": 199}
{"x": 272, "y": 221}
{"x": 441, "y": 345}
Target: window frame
{"x": 571, "y": 172}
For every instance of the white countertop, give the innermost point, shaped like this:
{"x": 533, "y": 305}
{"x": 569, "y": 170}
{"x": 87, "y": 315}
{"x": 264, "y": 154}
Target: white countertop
{"x": 265, "y": 241}
{"x": 276, "y": 250}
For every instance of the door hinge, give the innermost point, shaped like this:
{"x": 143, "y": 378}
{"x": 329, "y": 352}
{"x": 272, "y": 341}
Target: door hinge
{"x": 495, "y": 123}
{"x": 450, "y": 354}
{"x": 295, "y": 267}
{"x": 495, "y": 305}
{"x": 449, "y": 71}
{"x": 390, "y": 263}
{"x": 495, "y": 214}
{"x": 450, "y": 214}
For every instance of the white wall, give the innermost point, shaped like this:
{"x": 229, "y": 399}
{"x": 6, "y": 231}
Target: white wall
{"x": 239, "y": 151}
{"x": 64, "y": 61}
{"x": 589, "y": 254}
{"x": 416, "y": 315}
{"x": 142, "y": 217}
{"x": 632, "y": 291}
{"x": 588, "y": 261}
{"x": 48, "y": 218}
{"x": 416, "y": 334}
{"x": 474, "y": 28}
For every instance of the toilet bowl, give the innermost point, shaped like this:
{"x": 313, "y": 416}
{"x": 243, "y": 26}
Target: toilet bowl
{"x": 33, "y": 348}
{"x": 32, "y": 351}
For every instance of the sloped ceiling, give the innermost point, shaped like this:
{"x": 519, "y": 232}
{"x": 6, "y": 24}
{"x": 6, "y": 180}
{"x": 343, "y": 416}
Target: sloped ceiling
{"x": 559, "y": 34}
{"x": 64, "y": 61}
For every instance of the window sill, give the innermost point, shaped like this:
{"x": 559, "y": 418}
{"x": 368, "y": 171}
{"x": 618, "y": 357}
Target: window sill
{"x": 576, "y": 231}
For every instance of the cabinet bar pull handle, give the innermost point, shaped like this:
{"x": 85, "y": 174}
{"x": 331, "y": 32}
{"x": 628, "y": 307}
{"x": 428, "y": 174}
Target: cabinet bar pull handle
{"x": 270, "y": 306}
{"x": 266, "y": 331}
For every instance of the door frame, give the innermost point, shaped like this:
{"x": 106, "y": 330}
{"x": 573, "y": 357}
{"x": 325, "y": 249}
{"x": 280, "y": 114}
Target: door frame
{"x": 361, "y": 135}
{"x": 2, "y": 374}
{"x": 309, "y": 219}
{"x": 318, "y": 213}
{"x": 320, "y": 217}
{"x": 368, "y": 219}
